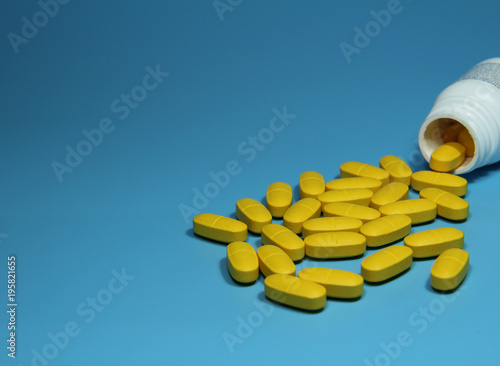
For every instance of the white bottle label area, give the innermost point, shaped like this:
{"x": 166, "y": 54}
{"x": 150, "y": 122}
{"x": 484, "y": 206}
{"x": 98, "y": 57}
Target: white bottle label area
{"x": 486, "y": 71}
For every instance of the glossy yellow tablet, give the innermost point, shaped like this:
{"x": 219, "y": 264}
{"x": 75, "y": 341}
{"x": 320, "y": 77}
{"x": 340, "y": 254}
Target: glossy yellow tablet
{"x": 431, "y": 243}
{"x": 311, "y": 184}
{"x": 418, "y": 210}
{"x": 449, "y": 205}
{"x": 447, "y": 157}
{"x": 219, "y": 228}
{"x": 294, "y": 291}
{"x": 398, "y": 170}
{"x": 386, "y": 263}
{"x": 339, "y": 244}
{"x": 363, "y": 213}
{"x": 325, "y": 224}
{"x": 273, "y": 259}
{"x": 253, "y": 213}
{"x": 449, "y": 269}
{"x": 279, "y": 197}
{"x": 284, "y": 238}
{"x": 357, "y": 169}
{"x": 301, "y": 211}
{"x": 468, "y": 142}
{"x": 354, "y": 182}
{"x": 242, "y": 262}
{"x": 360, "y": 196}
{"x": 385, "y": 230}
{"x": 338, "y": 283}
{"x": 448, "y": 182}
{"x": 392, "y": 192}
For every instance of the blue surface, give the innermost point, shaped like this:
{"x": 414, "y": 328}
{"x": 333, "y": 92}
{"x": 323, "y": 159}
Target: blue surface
{"x": 103, "y": 252}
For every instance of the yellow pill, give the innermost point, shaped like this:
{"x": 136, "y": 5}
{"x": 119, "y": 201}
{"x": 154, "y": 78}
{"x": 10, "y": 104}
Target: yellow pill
{"x": 360, "y": 196}
{"x": 325, "y": 224}
{"x": 392, "y": 192}
{"x": 219, "y": 228}
{"x": 385, "y": 230}
{"x": 279, "y": 197}
{"x": 449, "y": 205}
{"x": 448, "y": 182}
{"x": 356, "y": 169}
{"x": 354, "y": 182}
{"x": 419, "y": 210}
{"x": 449, "y": 269}
{"x": 386, "y": 263}
{"x": 361, "y": 212}
{"x": 431, "y": 243}
{"x": 447, "y": 157}
{"x": 273, "y": 259}
{"x": 338, "y": 283}
{"x": 291, "y": 243}
{"x": 451, "y": 133}
{"x": 340, "y": 244}
{"x": 301, "y": 211}
{"x": 242, "y": 262}
{"x": 295, "y": 292}
{"x": 311, "y": 184}
{"x": 467, "y": 141}
{"x": 253, "y": 213}
{"x": 398, "y": 170}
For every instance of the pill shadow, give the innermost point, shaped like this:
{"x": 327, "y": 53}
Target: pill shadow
{"x": 227, "y": 277}
{"x": 462, "y": 284}
{"x": 339, "y": 299}
{"x": 376, "y": 284}
{"x": 262, "y": 297}
{"x": 296, "y": 193}
{"x": 191, "y": 233}
{"x": 423, "y": 223}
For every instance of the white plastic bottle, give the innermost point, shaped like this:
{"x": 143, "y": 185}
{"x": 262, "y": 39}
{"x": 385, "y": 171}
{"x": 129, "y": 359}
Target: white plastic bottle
{"x": 474, "y": 102}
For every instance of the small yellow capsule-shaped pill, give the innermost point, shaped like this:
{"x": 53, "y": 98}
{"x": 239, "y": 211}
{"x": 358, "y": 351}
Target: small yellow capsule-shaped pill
{"x": 273, "y": 259}
{"x": 360, "y": 196}
{"x": 219, "y": 228}
{"x": 467, "y": 141}
{"x": 398, "y": 170}
{"x": 242, "y": 262}
{"x": 325, "y": 224}
{"x": 356, "y": 169}
{"x": 363, "y": 213}
{"x": 431, "y": 243}
{"x": 253, "y": 213}
{"x": 449, "y": 205}
{"x": 311, "y": 184}
{"x": 418, "y": 210}
{"x": 447, "y": 157}
{"x": 354, "y": 182}
{"x": 295, "y": 292}
{"x": 449, "y": 269}
{"x": 386, "y": 263}
{"x": 338, "y": 283}
{"x": 451, "y": 133}
{"x": 385, "y": 230}
{"x": 392, "y": 192}
{"x": 339, "y": 244}
{"x": 291, "y": 243}
{"x": 279, "y": 197}
{"x": 448, "y": 182}
{"x": 301, "y": 211}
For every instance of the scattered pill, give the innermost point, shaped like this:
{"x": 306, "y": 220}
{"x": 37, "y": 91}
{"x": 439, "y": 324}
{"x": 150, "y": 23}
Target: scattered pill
{"x": 363, "y": 213}
{"x": 311, "y": 184}
{"x": 386, "y": 263}
{"x": 392, "y": 192}
{"x": 291, "y": 243}
{"x": 219, "y": 228}
{"x": 451, "y": 132}
{"x": 301, "y": 211}
{"x": 449, "y": 269}
{"x": 325, "y": 224}
{"x": 448, "y": 182}
{"x": 398, "y": 170}
{"x": 340, "y": 244}
{"x": 354, "y": 182}
{"x": 467, "y": 141}
{"x": 447, "y": 157}
{"x": 431, "y": 243}
{"x": 253, "y": 213}
{"x": 338, "y": 283}
{"x": 360, "y": 196}
{"x": 356, "y": 169}
{"x": 279, "y": 197}
{"x": 273, "y": 259}
{"x": 419, "y": 210}
{"x": 242, "y": 262}
{"x": 385, "y": 230}
{"x": 449, "y": 205}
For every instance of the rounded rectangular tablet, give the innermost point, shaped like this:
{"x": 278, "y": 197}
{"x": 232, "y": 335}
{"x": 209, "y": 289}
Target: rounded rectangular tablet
{"x": 385, "y": 230}
{"x": 431, "y": 243}
{"x": 449, "y": 205}
{"x": 449, "y": 269}
{"x": 392, "y": 192}
{"x": 357, "y": 169}
{"x": 301, "y": 211}
{"x": 339, "y": 244}
{"x": 398, "y": 170}
{"x": 363, "y": 213}
{"x": 324, "y": 224}
{"x": 354, "y": 182}
{"x": 219, "y": 228}
{"x": 338, "y": 283}
{"x": 359, "y": 196}
{"x": 242, "y": 262}
{"x": 253, "y": 213}
{"x": 447, "y": 157}
{"x": 386, "y": 263}
{"x": 418, "y": 210}
{"x": 295, "y": 292}
{"x": 445, "y": 181}
{"x": 279, "y": 197}
{"x": 286, "y": 239}
{"x": 311, "y": 184}
{"x": 273, "y": 259}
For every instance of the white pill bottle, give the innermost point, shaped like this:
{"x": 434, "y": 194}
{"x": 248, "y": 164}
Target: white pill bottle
{"x": 474, "y": 102}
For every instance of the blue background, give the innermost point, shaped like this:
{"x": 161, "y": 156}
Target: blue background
{"x": 119, "y": 209}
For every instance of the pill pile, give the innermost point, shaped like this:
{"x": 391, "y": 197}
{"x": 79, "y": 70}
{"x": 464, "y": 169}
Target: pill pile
{"x": 367, "y": 207}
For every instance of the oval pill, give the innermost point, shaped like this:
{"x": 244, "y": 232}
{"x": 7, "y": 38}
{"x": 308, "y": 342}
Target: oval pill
{"x": 325, "y": 224}
{"x": 242, "y": 262}
{"x": 431, "y": 243}
{"x": 360, "y": 196}
{"x": 448, "y": 182}
{"x": 338, "y": 283}
{"x": 398, "y": 170}
{"x": 449, "y": 205}
{"x": 354, "y": 182}
{"x": 253, "y": 213}
{"x": 273, "y": 259}
{"x": 386, "y": 263}
{"x": 465, "y": 139}
{"x": 363, "y": 213}
{"x": 392, "y": 192}
{"x": 311, "y": 184}
{"x": 279, "y": 197}
{"x": 219, "y": 228}
{"x": 418, "y": 210}
{"x": 291, "y": 243}
{"x": 449, "y": 269}
{"x": 294, "y": 291}
{"x": 385, "y": 230}
{"x": 340, "y": 244}
{"x": 447, "y": 157}
{"x": 301, "y": 211}
{"x": 357, "y": 169}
